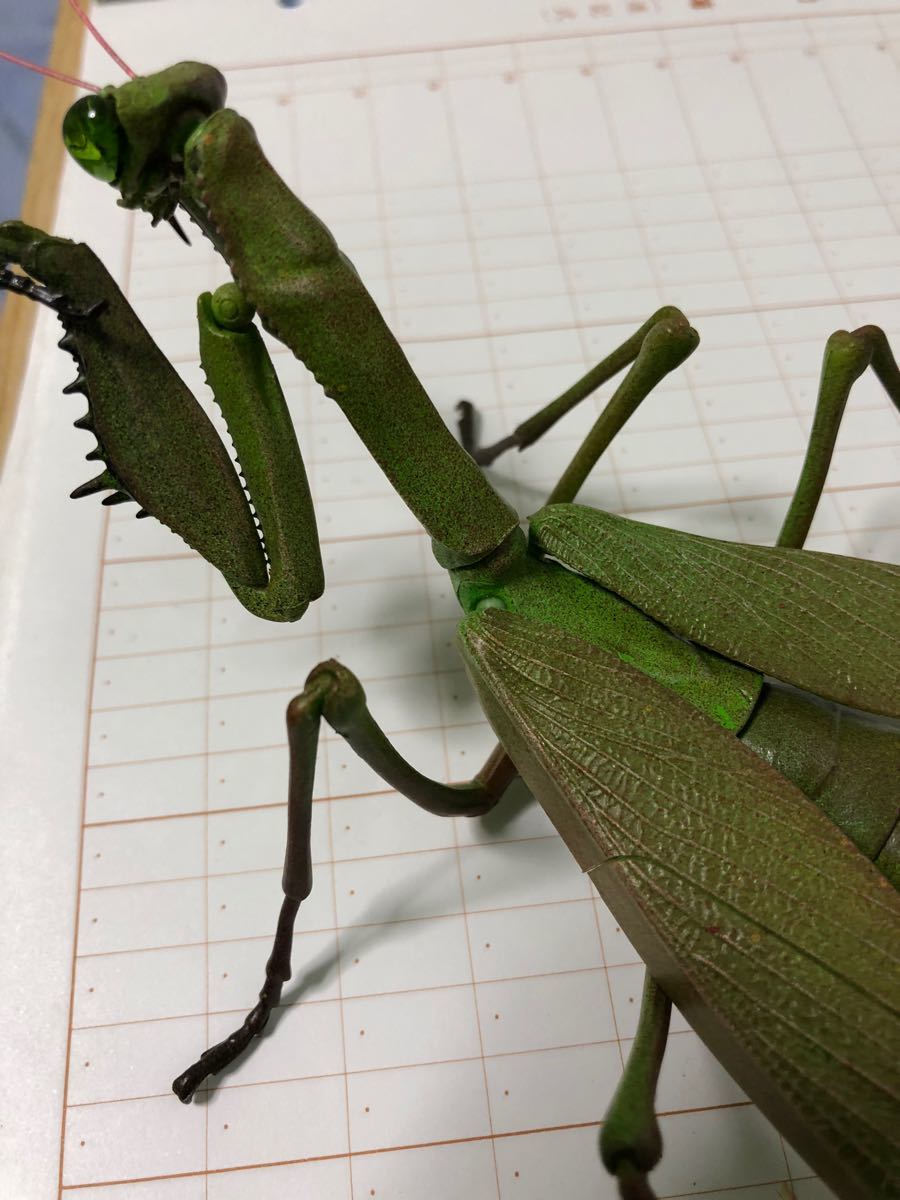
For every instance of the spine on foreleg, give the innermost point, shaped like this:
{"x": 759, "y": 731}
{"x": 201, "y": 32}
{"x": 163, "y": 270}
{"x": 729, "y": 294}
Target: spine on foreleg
{"x": 310, "y": 297}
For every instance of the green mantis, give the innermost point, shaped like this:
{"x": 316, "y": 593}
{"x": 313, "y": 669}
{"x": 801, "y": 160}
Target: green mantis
{"x": 621, "y": 665}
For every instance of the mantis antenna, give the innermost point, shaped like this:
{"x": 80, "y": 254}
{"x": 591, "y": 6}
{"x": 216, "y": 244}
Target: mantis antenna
{"x": 88, "y": 87}
{"x": 48, "y": 71}
{"x": 98, "y": 36}
{"x": 60, "y": 75}
{"x": 81, "y": 83}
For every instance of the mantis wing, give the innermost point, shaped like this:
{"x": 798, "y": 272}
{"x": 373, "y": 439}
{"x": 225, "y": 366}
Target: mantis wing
{"x": 822, "y": 622}
{"x": 761, "y": 921}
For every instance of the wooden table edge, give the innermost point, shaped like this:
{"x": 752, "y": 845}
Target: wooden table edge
{"x": 39, "y": 204}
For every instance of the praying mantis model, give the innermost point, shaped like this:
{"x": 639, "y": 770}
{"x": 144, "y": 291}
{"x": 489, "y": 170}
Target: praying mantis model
{"x": 743, "y": 834}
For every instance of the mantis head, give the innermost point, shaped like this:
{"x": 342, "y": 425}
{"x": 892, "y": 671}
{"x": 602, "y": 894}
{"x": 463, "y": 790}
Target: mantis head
{"x": 134, "y": 136}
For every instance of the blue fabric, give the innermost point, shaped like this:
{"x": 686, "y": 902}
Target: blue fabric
{"x": 27, "y": 30}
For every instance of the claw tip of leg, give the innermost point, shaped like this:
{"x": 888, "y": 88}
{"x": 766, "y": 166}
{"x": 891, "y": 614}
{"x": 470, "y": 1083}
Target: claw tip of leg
{"x": 184, "y": 1088}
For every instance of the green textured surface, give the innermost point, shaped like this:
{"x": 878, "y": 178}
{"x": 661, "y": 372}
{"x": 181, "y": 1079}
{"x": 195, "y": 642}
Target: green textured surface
{"x": 159, "y": 446}
{"x": 888, "y": 861}
{"x": 762, "y": 922}
{"x": 309, "y": 296}
{"x": 846, "y": 357}
{"x": 536, "y": 426}
{"x": 545, "y": 591}
{"x": 243, "y": 380}
{"x": 828, "y": 624}
{"x": 753, "y": 912}
{"x": 157, "y": 113}
{"x": 630, "y": 1137}
{"x": 664, "y": 347}
{"x": 844, "y": 761}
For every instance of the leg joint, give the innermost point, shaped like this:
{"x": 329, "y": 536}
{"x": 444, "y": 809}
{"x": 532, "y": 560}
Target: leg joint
{"x": 341, "y": 696}
{"x": 308, "y": 705}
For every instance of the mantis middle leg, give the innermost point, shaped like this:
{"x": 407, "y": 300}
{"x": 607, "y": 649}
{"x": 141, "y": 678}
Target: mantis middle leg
{"x": 537, "y": 425}
{"x": 334, "y": 692}
{"x": 845, "y": 358}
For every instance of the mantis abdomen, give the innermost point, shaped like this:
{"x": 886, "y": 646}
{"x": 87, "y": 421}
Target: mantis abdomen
{"x": 752, "y": 911}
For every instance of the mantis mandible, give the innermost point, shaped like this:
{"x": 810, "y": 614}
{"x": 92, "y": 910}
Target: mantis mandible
{"x": 744, "y": 834}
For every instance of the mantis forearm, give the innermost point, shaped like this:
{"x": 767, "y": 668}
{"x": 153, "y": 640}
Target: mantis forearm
{"x": 158, "y": 445}
{"x": 309, "y": 296}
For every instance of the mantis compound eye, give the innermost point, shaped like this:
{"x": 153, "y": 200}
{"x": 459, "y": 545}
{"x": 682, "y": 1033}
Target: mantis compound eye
{"x": 91, "y": 133}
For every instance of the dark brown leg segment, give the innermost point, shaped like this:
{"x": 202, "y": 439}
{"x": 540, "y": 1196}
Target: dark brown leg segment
{"x": 336, "y": 694}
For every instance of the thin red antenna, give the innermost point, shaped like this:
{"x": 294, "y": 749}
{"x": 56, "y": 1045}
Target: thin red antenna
{"x": 23, "y": 62}
{"x": 88, "y": 24}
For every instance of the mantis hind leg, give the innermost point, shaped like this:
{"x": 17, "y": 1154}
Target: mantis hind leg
{"x": 846, "y": 357}
{"x": 537, "y": 425}
{"x": 841, "y": 761}
{"x": 334, "y": 693}
{"x": 846, "y": 763}
{"x": 630, "y": 1141}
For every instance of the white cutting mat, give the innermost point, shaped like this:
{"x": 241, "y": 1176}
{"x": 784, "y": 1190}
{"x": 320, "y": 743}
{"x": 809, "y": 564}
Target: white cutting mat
{"x": 520, "y": 186}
